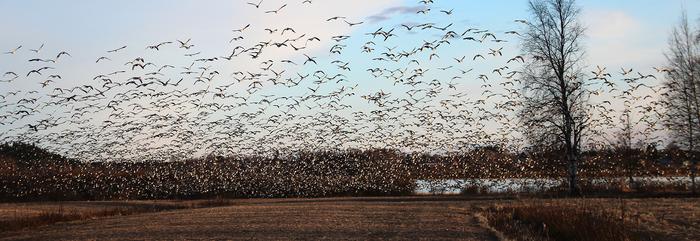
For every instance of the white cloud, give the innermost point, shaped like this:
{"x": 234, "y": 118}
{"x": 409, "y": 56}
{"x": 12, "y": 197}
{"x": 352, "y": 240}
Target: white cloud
{"x": 618, "y": 39}
{"x": 390, "y": 12}
{"x": 610, "y": 24}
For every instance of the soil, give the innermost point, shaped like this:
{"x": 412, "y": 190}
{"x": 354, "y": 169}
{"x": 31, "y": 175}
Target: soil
{"x": 402, "y": 218}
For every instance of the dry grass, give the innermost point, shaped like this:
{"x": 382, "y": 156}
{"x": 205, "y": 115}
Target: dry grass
{"x": 546, "y": 222}
{"x": 414, "y": 218}
{"x": 597, "y": 219}
{"x": 60, "y": 215}
{"x": 391, "y": 218}
{"x": 25, "y": 216}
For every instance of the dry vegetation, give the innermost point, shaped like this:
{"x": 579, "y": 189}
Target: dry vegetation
{"x": 427, "y": 217}
{"x": 543, "y": 222}
{"x": 19, "y": 216}
{"x": 597, "y": 219}
{"x": 446, "y": 218}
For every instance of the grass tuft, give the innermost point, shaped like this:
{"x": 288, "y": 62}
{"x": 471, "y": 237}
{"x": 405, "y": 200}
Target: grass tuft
{"x": 560, "y": 222}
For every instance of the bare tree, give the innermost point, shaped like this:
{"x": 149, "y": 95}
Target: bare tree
{"x": 628, "y": 154}
{"x": 555, "y": 99}
{"x": 683, "y": 90}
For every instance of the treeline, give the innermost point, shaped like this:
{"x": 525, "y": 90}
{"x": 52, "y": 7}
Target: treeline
{"x": 30, "y": 173}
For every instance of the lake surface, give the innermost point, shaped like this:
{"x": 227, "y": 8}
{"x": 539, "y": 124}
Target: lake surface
{"x": 524, "y": 185}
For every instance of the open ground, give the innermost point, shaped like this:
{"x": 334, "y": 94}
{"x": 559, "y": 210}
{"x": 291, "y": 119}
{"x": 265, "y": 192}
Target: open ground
{"x": 422, "y": 217}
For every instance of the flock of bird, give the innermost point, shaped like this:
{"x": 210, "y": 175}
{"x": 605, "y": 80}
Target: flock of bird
{"x": 419, "y": 95}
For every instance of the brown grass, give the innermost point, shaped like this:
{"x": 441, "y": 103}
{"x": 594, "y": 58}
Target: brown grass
{"x": 392, "y": 218}
{"x": 559, "y": 222}
{"x": 409, "y": 218}
{"x": 597, "y": 219}
{"x": 42, "y": 216}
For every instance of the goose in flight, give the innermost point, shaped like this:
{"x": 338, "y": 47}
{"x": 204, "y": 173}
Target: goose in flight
{"x": 516, "y": 58}
{"x": 472, "y": 39}
{"x": 447, "y": 12}
{"x": 625, "y": 72}
{"x": 46, "y": 83}
{"x": 14, "y": 50}
{"x": 63, "y": 53}
{"x": 192, "y": 54}
{"x": 297, "y": 48}
{"x": 38, "y": 71}
{"x": 255, "y": 5}
{"x": 157, "y": 46}
{"x": 444, "y": 28}
{"x": 10, "y": 73}
{"x": 37, "y": 50}
{"x": 117, "y": 49}
{"x": 642, "y": 76}
{"x": 35, "y": 128}
{"x": 278, "y": 10}
{"x": 486, "y": 35}
{"x": 334, "y": 18}
{"x": 102, "y": 58}
{"x": 600, "y": 72}
{"x": 43, "y": 60}
{"x": 288, "y": 29}
{"x": 423, "y": 11}
{"x": 483, "y": 77}
{"x": 495, "y": 52}
{"x": 185, "y": 44}
{"x": 242, "y": 29}
{"x": 664, "y": 70}
{"x": 236, "y": 39}
{"x": 353, "y": 24}
{"x": 309, "y": 59}
{"x": 408, "y": 28}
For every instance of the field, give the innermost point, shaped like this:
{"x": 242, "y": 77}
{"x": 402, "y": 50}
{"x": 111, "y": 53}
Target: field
{"x": 421, "y": 217}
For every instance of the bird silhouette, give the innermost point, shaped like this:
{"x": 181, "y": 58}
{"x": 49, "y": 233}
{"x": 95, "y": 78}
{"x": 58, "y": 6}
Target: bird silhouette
{"x": 13, "y": 51}
{"x": 256, "y": 5}
{"x": 277, "y": 10}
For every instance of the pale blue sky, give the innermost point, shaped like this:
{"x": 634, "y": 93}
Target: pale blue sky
{"x": 631, "y": 34}
{"x": 97, "y": 25}
{"x": 87, "y": 27}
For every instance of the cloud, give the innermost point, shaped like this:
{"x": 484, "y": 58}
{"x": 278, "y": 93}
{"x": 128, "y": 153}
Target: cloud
{"x": 389, "y": 12}
{"x": 615, "y": 38}
{"x": 311, "y": 20}
{"x": 611, "y": 24}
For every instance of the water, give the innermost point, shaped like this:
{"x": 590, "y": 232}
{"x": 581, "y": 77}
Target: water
{"x": 456, "y": 186}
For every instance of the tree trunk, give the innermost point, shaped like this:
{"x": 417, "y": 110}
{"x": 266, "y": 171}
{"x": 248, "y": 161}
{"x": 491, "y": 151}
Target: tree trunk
{"x": 693, "y": 174}
{"x": 573, "y": 175}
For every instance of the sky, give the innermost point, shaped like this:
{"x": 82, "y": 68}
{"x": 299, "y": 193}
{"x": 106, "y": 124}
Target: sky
{"x": 629, "y": 34}
{"x": 619, "y": 31}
